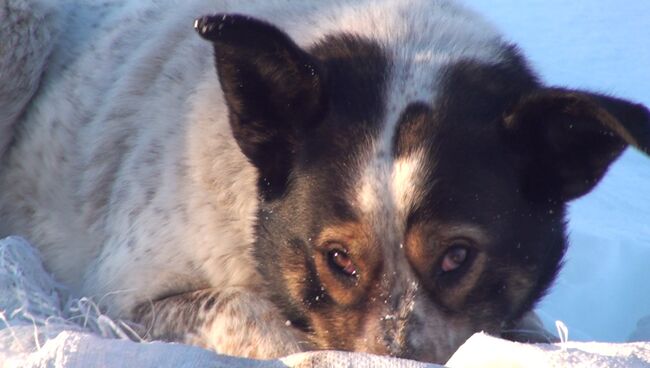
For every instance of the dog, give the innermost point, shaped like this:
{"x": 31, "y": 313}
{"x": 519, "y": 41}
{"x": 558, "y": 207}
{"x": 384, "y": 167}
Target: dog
{"x": 264, "y": 178}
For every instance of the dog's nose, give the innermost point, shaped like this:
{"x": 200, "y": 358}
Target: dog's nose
{"x": 417, "y": 329}
{"x": 395, "y": 323}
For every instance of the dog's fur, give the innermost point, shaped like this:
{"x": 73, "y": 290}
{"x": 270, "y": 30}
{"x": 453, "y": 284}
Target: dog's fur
{"x": 202, "y": 184}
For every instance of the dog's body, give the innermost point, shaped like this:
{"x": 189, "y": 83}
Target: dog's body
{"x": 223, "y": 206}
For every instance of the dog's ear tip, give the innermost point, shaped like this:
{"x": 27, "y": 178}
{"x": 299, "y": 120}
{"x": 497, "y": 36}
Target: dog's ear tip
{"x": 208, "y": 24}
{"x": 227, "y": 26}
{"x": 203, "y": 25}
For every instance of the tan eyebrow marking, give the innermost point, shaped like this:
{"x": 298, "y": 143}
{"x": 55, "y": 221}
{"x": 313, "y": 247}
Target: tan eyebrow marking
{"x": 464, "y": 230}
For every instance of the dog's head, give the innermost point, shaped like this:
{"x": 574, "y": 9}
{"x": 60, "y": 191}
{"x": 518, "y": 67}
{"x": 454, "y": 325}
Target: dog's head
{"x": 402, "y": 211}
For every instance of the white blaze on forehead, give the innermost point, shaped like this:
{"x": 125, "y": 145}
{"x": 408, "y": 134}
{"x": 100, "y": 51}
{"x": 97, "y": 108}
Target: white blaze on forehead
{"x": 408, "y": 181}
{"x": 390, "y": 188}
{"x": 372, "y": 189}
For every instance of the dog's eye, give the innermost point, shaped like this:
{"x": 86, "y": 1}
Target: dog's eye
{"x": 455, "y": 256}
{"x": 340, "y": 261}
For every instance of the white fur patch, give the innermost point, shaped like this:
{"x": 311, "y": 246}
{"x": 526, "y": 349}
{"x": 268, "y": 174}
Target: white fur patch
{"x": 389, "y": 189}
{"x": 408, "y": 184}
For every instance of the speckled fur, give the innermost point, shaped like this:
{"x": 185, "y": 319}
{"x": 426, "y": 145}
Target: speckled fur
{"x": 125, "y": 174}
{"x": 28, "y": 30}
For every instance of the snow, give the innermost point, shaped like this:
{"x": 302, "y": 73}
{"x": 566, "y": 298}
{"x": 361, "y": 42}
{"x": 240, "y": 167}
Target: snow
{"x": 603, "y": 46}
{"x": 484, "y": 351}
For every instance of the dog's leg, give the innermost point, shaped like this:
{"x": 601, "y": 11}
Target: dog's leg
{"x": 234, "y": 321}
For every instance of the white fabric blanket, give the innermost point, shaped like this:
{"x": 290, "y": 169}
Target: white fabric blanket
{"x": 37, "y": 329}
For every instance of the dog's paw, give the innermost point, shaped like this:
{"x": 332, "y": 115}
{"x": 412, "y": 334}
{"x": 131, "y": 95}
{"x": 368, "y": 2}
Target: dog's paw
{"x": 234, "y": 321}
{"x": 245, "y": 324}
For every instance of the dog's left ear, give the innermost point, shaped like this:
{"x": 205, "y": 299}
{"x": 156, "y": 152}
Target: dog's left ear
{"x": 273, "y": 89}
{"x": 565, "y": 140}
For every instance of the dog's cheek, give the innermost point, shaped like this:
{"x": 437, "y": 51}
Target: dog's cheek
{"x": 339, "y": 328}
{"x": 293, "y": 283}
{"x": 301, "y": 282}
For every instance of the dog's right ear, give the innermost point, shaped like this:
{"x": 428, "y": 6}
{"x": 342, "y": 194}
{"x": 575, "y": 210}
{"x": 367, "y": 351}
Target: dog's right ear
{"x": 273, "y": 89}
{"x": 566, "y": 139}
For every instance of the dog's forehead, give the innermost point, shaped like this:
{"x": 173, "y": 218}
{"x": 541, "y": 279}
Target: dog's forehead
{"x": 399, "y": 166}
{"x": 393, "y": 155}
{"x": 384, "y": 91}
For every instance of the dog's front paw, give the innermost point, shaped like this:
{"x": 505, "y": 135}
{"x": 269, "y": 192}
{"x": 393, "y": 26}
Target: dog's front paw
{"x": 234, "y": 321}
{"x": 242, "y": 323}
